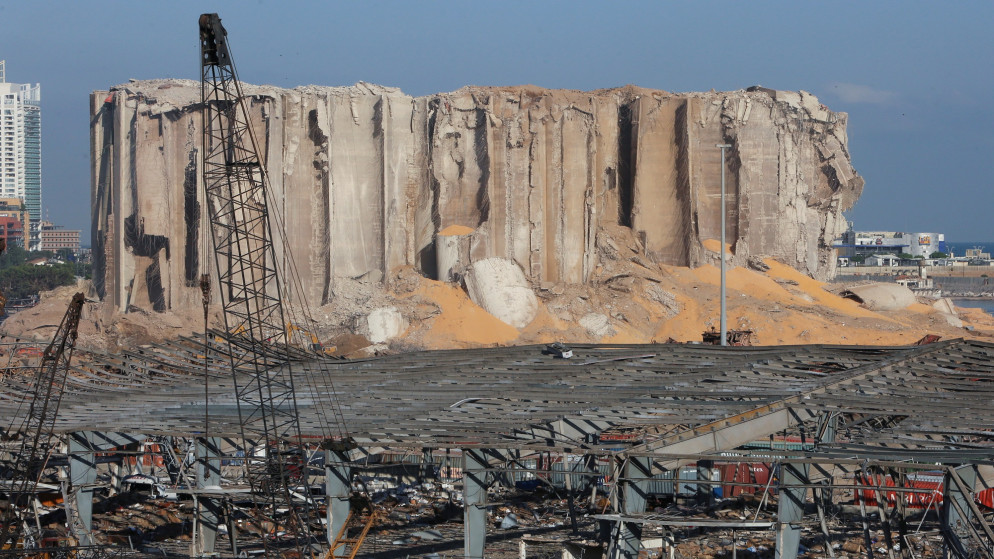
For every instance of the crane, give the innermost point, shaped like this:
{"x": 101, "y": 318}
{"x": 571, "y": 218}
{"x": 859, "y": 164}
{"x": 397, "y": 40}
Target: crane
{"x": 3, "y": 299}
{"x": 235, "y": 186}
{"x": 35, "y": 433}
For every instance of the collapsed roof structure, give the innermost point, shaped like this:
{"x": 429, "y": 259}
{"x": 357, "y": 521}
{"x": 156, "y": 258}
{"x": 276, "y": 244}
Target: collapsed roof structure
{"x": 641, "y": 410}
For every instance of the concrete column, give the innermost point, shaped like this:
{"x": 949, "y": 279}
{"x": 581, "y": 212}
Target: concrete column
{"x": 82, "y": 475}
{"x": 116, "y": 479}
{"x": 580, "y": 431}
{"x": 820, "y": 504}
{"x": 606, "y": 529}
{"x": 626, "y": 537}
{"x": 452, "y": 255}
{"x": 705, "y": 491}
{"x": 956, "y": 513}
{"x": 900, "y": 510}
{"x": 474, "y": 468}
{"x": 337, "y": 489}
{"x": 791, "y": 509}
{"x": 209, "y": 511}
{"x": 828, "y": 428}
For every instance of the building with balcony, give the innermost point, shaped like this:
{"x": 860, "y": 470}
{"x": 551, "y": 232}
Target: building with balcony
{"x": 20, "y": 148}
{"x": 14, "y": 207}
{"x": 12, "y": 231}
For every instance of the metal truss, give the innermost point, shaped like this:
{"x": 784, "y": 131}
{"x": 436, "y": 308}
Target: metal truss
{"x": 829, "y": 413}
{"x": 34, "y": 433}
{"x": 235, "y": 185}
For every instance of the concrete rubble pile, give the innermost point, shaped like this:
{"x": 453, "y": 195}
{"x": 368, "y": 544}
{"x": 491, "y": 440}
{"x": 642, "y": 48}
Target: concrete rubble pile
{"x": 368, "y": 180}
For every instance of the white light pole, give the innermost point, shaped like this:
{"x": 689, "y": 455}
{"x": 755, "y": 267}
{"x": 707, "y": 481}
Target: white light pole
{"x": 724, "y": 321}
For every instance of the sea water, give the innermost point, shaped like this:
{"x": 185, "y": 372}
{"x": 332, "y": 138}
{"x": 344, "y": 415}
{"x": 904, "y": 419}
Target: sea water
{"x": 960, "y": 248}
{"x": 987, "y": 304}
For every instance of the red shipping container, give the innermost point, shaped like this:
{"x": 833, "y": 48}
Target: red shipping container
{"x": 757, "y": 474}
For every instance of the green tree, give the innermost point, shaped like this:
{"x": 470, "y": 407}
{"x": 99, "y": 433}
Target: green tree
{"x": 16, "y": 256}
{"x": 13, "y": 256}
{"x": 18, "y": 282}
{"x": 938, "y": 254}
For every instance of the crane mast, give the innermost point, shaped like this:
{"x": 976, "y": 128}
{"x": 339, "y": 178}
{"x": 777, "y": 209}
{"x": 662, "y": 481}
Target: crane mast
{"x": 3, "y": 299}
{"x": 32, "y": 453}
{"x": 235, "y": 186}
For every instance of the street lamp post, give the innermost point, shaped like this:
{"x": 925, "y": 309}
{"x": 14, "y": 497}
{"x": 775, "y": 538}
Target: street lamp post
{"x": 724, "y": 320}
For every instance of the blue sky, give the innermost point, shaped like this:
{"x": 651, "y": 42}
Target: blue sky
{"x": 915, "y": 77}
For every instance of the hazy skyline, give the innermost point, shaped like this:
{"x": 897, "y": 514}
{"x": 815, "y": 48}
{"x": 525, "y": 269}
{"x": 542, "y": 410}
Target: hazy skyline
{"x": 914, "y": 76}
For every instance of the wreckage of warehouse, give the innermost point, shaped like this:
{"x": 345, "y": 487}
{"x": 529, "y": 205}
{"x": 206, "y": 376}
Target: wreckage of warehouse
{"x": 615, "y": 451}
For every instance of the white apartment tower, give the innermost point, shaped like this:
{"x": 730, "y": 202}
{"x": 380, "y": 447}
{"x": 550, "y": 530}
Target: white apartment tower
{"x": 20, "y": 148}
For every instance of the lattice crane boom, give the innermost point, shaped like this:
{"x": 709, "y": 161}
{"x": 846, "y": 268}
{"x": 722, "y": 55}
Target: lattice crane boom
{"x": 235, "y": 184}
{"x": 35, "y": 433}
{"x": 3, "y": 299}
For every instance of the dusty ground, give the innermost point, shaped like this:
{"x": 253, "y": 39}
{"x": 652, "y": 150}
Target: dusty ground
{"x": 630, "y": 300}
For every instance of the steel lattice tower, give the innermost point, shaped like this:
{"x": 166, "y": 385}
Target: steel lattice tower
{"x": 235, "y": 185}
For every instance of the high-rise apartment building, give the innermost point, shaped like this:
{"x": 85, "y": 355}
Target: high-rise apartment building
{"x": 20, "y": 148}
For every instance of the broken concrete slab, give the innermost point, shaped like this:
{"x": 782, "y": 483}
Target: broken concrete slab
{"x": 948, "y": 311}
{"x": 882, "y": 296}
{"x": 499, "y": 286}
{"x": 384, "y": 324}
{"x": 599, "y": 325}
